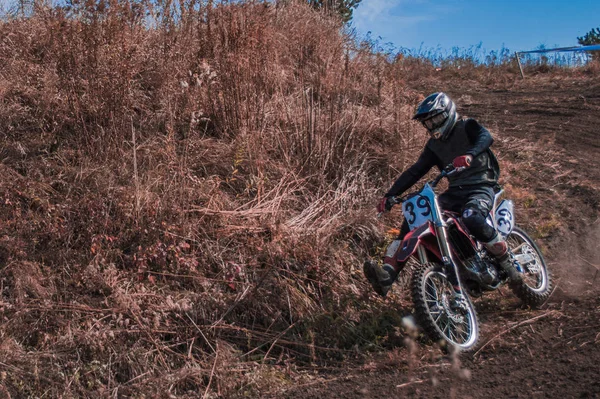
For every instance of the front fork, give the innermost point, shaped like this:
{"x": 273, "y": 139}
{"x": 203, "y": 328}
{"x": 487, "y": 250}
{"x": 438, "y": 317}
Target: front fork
{"x": 450, "y": 265}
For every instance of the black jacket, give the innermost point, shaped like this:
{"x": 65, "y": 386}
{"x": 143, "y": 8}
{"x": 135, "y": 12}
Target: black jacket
{"x": 468, "y": 137}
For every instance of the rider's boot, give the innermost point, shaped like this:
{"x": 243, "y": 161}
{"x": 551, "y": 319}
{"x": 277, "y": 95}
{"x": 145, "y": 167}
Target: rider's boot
{"x": 380, "y": 277}
{"x": 498, "y": 248}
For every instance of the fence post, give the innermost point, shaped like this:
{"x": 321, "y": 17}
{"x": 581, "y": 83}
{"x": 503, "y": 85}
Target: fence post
{"x": 520, "y": 66}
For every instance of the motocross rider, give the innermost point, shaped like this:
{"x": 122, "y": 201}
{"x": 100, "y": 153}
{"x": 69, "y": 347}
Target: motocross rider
{"x": 462, "y": 143}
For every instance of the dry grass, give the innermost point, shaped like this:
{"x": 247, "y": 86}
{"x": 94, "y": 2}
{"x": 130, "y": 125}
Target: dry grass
{"x": 187, "y": 195}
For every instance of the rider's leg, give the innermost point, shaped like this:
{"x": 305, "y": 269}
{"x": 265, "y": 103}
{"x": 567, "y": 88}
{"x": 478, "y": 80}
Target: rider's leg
{"x": 390, "y": 259}
{"x": 498, "y": 248}
{"x": 382, "y": 277}
{"x": 474, "y": 215}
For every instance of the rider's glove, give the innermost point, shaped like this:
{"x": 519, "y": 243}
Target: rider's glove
{"x": 385, "y": 204}
{"x": 464, "y": 161}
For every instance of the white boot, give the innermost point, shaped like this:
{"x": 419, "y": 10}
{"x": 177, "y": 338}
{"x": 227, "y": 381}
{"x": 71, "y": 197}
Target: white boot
{"x": 498, "y": 248}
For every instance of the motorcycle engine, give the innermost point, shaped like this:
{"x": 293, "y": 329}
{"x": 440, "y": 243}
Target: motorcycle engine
{"x": 476, "y": 266}
{"x": 481, "y": 271}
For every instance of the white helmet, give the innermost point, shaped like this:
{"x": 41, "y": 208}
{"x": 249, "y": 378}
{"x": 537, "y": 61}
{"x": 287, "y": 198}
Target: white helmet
{"x": 438, "y": 114}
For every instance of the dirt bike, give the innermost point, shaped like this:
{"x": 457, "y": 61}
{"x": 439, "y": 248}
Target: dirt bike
{"x": 448, "y": 255}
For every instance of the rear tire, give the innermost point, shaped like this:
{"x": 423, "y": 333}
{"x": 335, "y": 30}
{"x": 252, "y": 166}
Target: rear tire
{"x": 535, "y": 286}
{"x": 432, "y": 294}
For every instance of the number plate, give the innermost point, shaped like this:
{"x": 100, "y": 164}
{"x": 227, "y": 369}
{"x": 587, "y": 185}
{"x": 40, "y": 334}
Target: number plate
{"x": 418, "y": 209}
{"x": 505, "y": 217}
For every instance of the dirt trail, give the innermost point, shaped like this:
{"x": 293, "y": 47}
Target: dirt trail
{"x": 547, "y": 137}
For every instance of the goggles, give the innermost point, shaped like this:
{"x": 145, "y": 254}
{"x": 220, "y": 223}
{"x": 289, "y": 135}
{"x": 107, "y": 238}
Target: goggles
{"x": 435, "y": 121}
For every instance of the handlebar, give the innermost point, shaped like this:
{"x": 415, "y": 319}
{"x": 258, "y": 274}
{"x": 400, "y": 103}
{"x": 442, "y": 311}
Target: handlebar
{"x": 446, "y": 172}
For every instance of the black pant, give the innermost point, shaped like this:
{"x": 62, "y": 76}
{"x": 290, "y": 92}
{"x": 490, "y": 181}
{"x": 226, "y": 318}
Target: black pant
{"x": 473, "y": 203}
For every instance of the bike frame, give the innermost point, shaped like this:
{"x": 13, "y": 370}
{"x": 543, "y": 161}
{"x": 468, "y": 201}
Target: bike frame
{"x": 419, "y": 242}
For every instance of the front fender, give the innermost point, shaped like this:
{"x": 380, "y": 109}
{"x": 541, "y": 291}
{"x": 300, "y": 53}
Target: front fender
{"x": 416, "y": 237}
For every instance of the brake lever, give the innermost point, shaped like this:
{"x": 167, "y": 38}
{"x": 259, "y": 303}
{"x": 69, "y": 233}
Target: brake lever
{"x": 450, "y": 172}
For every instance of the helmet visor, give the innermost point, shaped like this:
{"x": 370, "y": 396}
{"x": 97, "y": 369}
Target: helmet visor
{"x": 435, "y": 121}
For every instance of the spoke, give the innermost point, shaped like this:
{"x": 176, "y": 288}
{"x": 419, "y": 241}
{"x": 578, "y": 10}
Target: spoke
{"x": 437, "y": 281}
{"x": 433, "y": 290}
{"x": 463, "y": 332}
{"x": 435, "y": 312}
{"x": 446, "y": 327}
{"x": 452, "y": 336}
{"x": 432, "y": 297}
{"x": 467, "y": 325}
{"x": 463, "y": 335}
{"x": 460, "y": 325}
{"x": 433, "y": 286}
{"x": 435, "y": 304}
{"x": 429, "y": 284}
{"x": 517, "y": 248}
{"x": 454, "y": 325}
{"x": 441, "y": 292}
{"x": 512, "y": 241}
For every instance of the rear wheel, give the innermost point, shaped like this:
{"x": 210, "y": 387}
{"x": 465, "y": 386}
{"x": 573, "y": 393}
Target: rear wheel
{"x": 535, "y": 286}
{"x": 436, "y": 312}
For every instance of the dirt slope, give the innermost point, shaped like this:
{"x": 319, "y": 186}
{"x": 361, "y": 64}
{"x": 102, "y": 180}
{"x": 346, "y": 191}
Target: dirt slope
{"x": 547, "y": 139}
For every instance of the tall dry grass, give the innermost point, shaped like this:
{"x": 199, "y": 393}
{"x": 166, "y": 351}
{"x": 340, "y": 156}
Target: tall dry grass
{"x": 187, "y": 194}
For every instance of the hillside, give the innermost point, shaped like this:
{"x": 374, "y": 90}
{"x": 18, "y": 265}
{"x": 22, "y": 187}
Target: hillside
{"x": 188, "y": 196}
{"x": 544, "y": 128}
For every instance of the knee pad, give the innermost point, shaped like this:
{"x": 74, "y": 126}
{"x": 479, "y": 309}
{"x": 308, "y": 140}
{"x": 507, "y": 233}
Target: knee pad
{"x": 474, "y": 220}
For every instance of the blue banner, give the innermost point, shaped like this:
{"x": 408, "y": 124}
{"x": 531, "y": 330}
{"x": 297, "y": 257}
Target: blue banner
{"x": 594, "y": 47}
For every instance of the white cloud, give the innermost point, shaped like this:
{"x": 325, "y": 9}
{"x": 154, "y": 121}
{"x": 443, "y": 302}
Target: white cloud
{"x": 388, "y": 19}
{"x": 371, "y": 10}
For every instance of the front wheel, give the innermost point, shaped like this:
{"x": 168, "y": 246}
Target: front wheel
{"x": 535, "y": 286}
{"x": 436, "y": 312}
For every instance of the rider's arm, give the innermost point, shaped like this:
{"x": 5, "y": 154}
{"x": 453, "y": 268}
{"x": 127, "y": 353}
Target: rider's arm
{"x": 410, "y": 176}
{"x": 479, "y": 136}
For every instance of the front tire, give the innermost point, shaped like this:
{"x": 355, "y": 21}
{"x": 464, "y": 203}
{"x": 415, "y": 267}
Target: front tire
{"x": 535, "y": 286}
{"x": 432, "y": 295}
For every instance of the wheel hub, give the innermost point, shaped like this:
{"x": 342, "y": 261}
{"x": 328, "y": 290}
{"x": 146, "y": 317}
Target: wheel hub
{"x": 452, "y": 314}
{"x": 534, "y": 265}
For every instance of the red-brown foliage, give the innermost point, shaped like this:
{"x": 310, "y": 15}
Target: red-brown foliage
{"x": 187, "y": 194}
{"x": 184, "y": 188}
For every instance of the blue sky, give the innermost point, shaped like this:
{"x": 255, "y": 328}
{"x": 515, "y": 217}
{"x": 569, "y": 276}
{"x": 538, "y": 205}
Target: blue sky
{"x": 517, "y": 25}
